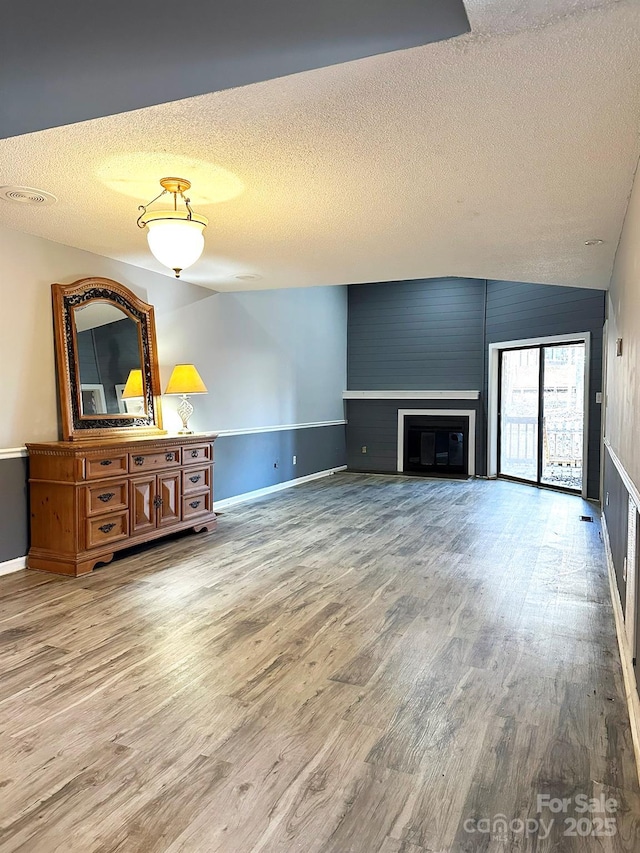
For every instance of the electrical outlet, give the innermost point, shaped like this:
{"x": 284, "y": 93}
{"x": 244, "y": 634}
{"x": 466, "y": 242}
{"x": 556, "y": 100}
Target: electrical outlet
{"x": 598, "y": 396}
{"x": 363, "y": 449}
{"x": 295, "y": 460}
{"x": 275, "y": 464}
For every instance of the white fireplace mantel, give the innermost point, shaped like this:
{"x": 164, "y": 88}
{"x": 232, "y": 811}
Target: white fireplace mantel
{"x": 410, "y": 395}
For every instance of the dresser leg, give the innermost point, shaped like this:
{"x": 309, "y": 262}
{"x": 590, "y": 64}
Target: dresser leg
{"x": 65, "y": 567}
{"x": 209, "y": 527}
{"x": 89, "y": 565}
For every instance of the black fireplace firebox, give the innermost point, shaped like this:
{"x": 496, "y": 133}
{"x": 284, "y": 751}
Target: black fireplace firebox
{"x": 436, "y": 445}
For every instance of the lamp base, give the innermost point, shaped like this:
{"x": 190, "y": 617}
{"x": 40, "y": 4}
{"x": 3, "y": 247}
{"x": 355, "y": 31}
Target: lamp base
{"x": 185, "y": 410}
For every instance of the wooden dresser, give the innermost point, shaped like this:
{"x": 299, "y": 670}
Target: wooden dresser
{"x": 91, "y": 498}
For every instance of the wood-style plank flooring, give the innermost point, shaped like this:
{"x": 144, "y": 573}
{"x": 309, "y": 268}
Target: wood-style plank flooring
{"x": 363, "y": 664}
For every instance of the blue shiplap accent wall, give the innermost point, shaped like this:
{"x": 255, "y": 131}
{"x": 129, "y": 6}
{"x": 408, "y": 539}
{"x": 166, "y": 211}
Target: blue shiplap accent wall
{"x": 433, "y": 334}
{"x": 516, "y": 310}
{"x": 374, "y": 424}
{"x": 416, "y": 335}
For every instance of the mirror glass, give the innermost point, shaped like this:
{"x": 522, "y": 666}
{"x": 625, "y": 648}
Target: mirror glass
{"x": 109, "y": 346}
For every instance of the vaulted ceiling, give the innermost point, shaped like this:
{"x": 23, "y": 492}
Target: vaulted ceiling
{"x": 497, "y": 153}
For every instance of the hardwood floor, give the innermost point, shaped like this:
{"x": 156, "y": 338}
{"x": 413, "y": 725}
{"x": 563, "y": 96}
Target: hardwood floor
{"x": 363, "y": 664}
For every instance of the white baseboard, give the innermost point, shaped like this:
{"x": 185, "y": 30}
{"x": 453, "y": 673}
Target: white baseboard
{"x": 630, "y": 687}
{"x": 10, "y": 566}
{"x": 278, "y": 487}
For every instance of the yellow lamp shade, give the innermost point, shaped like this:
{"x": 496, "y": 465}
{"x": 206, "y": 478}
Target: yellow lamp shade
{"x": 134, "y": 386}
{"x": 185, "y": 379}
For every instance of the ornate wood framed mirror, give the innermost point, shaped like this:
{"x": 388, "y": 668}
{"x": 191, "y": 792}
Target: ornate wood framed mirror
{"x": 106, "y": 360}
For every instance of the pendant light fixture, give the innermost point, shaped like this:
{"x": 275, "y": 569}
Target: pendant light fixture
{"x": 175, "y": 236}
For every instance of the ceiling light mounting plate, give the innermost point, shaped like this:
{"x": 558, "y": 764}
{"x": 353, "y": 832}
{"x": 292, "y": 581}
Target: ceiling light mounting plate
{"x": 175, "y": 185}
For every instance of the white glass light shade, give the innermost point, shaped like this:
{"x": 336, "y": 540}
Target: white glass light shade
{"x": 176, "y": 242}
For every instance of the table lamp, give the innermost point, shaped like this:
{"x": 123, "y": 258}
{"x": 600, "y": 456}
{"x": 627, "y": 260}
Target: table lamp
{"x": 184, "y": 381}
{"x": 134, "y": 388}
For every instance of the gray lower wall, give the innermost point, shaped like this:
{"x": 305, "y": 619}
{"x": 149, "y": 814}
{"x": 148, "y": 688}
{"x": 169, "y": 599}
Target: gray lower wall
{"x": 616, "y": 512}
{"x": 374, "y": 424}
{"x": 244, "y": 463}
{"x": 14, "y": 516}
{"x": 433, "y": 334}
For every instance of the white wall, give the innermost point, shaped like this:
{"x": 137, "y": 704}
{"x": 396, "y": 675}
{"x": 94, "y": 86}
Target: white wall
{"x": 267, "y": 357}
{"x": 622, "y": 411}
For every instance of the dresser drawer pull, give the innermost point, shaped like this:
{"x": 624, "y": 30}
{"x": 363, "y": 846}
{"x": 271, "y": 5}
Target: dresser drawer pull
{"x": 157, "y": 501}
{"x": 195, "y": 478}
{"x": 106, "y": 461}
{"x": 194, "y": 454}
{"x": 106, "y": 497}
{"x": 194, "y": 504}
{"x": 169, "y": 457}
{"x": 139, "y": 460}
{"x": 106, "y": 528}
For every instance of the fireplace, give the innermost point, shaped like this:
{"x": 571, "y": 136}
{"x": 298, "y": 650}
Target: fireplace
{"x": 436, "y": 443}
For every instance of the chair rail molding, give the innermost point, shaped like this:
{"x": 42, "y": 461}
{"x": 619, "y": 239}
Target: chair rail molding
{"x": 278, "y": 428}
{"x": 17, "y": 452}
{"x": 12, "y": 452}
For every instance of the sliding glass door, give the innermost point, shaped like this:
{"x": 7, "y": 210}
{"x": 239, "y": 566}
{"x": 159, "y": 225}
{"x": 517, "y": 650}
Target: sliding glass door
{"x": 520, "y": 405}
{"x": 541, "y": 414}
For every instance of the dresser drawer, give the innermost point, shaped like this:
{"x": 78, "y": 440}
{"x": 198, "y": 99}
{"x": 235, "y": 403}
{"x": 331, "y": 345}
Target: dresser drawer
{"x": 99, "y": 467}
{"x": 107, "y": 497}
{"x": 195, "y": 505}
{"x": 107, "y": 528}
{"x": 194, "y": 480}
{"x": 161, "y": 460}
{"x": 193, "y": 455}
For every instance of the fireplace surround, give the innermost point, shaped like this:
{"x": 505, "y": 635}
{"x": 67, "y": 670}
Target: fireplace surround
{"x": 436, "y": 442}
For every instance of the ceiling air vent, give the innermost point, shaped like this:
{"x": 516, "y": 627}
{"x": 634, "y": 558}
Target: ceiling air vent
{"x": 27, "y": 195}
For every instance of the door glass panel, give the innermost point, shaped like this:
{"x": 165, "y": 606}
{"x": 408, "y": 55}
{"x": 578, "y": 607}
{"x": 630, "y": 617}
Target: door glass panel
{"x": 520, "y": 377}
{"x": 563, "y": 415}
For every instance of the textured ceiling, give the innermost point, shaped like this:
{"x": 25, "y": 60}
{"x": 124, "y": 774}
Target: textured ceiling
{"x": 495, "y": 154}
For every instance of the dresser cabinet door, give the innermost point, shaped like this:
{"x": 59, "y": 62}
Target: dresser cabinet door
{"x": 169, "y": 503}
{"x": 143, "y": 504}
